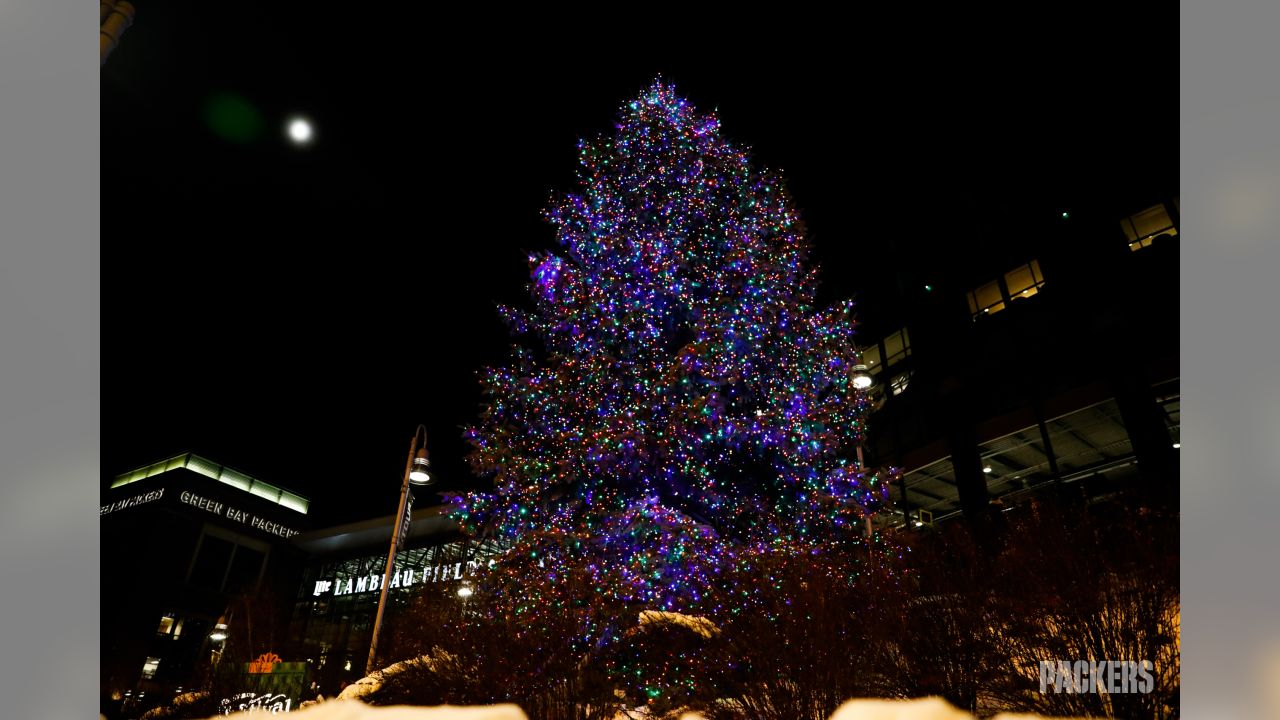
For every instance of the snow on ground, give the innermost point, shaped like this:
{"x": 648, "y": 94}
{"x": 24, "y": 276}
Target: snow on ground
{"x": 347, "y": 706}
{"x": 920, "y": 709}
{"x": 355, "y": 710}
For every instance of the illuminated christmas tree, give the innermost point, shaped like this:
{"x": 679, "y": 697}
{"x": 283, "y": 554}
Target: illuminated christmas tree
{"x": 675, "y": 402}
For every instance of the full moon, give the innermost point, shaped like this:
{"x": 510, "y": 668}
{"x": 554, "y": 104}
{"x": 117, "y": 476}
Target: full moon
{"x": 300, "y": 131}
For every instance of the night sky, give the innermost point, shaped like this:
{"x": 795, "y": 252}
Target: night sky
{"x": 294, "y": 313}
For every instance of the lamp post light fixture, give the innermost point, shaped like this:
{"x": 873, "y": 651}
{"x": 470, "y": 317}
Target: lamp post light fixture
{"x": 420, "y": 470}
{"x": 861, "y": 378}
{"x": 218, "y": 640}
{"x": 417, "y": 471}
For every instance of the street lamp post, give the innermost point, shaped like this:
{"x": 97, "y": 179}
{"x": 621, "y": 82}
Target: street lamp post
{"x": 862, "y": 380}
{"x": 218, "y": 640}
{"x": 114, "y": 18}
{"x": 417, "y": 470}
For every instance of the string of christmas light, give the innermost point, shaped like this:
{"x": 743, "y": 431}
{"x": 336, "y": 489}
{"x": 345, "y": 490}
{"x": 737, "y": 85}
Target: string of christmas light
{"x": 675, "y": 404}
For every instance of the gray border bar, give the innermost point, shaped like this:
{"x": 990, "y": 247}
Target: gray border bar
{"x": 49, "y": 360}
{"x": 1231, "y": 400}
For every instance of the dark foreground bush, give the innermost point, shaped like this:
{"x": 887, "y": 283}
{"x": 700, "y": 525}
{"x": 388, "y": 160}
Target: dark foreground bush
{"x": 965, "y": 615}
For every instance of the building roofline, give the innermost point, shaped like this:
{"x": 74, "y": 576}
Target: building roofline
{"x": 221, "y": 473}
{"x": 426, "y": 522}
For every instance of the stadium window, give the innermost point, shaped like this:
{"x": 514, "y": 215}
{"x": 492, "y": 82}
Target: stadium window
{"x": 1020, "y": 282}
{"x": 1142, "y": 228}
{"x": 1024, "y": 280}
{"x": 166, "y": 625}
{"x": 149, "y": 668}
{"x": 899, "y": 383}
{"x": 897, "y": 347}
{"x": 986, "y": 300}
{"x": 871, "y": 358}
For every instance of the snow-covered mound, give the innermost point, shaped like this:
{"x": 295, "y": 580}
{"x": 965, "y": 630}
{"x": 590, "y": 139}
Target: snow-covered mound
{"x": 364, "y": 686}
{"x": 700, "y": 625}
{"x": 372, "y": 683}
{"x": 920, "y": 709}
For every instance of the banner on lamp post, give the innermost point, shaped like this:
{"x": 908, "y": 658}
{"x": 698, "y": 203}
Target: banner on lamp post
{"x": 402, "y": 529}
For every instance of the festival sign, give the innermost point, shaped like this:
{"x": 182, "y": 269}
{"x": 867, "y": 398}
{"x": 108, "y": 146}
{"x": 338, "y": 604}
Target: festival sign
{"x": 271, "y": 686}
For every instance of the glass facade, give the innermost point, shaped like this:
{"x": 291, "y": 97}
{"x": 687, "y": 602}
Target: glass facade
{"x": 1088, "y": 445}
{"x": 337, "y": 600}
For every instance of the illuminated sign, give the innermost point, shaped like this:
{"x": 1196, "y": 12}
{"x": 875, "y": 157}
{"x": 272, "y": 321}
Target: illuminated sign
{"x": 269, "y": 686}
{"x": 273, "y": 703}
{"x": 399, "y": 579}
{"x": 132, "y": 502}
{"x": 209, "y": 505}
{"x": 265, "y": 663}
{"x": 231, "y": 512}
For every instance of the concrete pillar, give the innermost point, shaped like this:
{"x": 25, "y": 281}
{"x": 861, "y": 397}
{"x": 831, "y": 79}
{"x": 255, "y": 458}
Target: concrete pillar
{"x": 966, "y": 462}
{"x": 1149, "y": 434}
